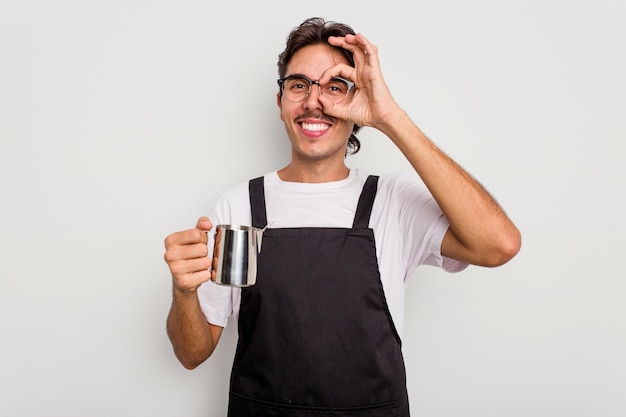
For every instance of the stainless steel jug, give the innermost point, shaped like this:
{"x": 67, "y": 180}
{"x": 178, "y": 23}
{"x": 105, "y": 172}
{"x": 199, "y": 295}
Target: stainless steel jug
{"x": 235, "y": 254}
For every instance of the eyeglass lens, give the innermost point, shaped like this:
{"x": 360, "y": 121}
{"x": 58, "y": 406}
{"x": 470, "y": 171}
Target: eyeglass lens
{"x": 298, "y": 88}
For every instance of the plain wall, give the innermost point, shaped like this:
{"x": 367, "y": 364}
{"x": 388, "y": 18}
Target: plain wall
{"x": 122, "y": 121}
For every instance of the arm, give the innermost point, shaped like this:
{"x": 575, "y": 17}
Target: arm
{"x": 192, "y": 338}
{"x": 480, "y": 232}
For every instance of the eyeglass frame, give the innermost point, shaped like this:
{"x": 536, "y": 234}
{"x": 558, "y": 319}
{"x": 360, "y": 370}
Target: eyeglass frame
{"x": 281, "y": 85}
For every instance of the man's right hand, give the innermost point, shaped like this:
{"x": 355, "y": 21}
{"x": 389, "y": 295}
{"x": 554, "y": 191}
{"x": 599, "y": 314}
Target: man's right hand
{"x": 186, "y": 254}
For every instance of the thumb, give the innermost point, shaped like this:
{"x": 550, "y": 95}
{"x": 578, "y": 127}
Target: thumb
{"x": 204, "y": 223}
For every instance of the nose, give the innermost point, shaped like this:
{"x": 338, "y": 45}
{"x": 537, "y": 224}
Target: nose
{"x": 312, "y": 99}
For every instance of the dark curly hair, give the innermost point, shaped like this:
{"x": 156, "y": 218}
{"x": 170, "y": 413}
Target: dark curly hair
{"x": 314, "y": 31}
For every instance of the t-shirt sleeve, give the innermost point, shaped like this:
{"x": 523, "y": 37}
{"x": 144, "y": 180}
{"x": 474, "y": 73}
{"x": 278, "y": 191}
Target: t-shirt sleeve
{"x": 215, "y": 303}
{"x": 433, "y": 256}
{"x": 420, "y": 223}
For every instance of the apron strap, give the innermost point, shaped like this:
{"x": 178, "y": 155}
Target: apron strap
{"x": 257, "y": 202}
{"x": 366, "y": 201}
{"x": 361, "y": 218}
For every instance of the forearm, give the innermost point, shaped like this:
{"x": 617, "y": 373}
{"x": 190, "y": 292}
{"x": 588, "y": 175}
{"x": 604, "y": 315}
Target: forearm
{"x": 192, "y": 338}
{"x": 485, "y": 234}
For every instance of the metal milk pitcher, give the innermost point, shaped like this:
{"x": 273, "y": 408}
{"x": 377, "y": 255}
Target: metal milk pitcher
{"x": 235, "y": 249}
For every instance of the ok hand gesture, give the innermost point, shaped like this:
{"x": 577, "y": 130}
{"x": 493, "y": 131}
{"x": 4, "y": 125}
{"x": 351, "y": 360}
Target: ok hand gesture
{"x": 371, "y": 103}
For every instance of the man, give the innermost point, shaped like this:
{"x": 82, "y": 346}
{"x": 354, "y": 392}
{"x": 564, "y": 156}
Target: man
{"x": 319, "y": 333}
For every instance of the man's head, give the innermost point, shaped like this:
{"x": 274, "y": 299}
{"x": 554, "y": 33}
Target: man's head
{"x": 317, "y": 31}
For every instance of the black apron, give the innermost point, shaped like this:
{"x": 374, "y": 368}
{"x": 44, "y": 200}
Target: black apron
{"x": 315, "y": 333}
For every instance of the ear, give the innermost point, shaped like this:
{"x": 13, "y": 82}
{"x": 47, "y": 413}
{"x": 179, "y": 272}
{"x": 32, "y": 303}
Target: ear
{"x": 280, "y": 106}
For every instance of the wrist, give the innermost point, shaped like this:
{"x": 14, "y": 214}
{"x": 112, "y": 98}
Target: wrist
{"x": 184, "y": 293}
{"x": 395, "y": 123}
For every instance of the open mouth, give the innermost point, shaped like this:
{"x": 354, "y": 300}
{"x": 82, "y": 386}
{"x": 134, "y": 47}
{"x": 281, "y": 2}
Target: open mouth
{"x": 314, "y": 127}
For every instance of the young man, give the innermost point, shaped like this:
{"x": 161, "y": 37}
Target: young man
{"x": 319, "y": 333}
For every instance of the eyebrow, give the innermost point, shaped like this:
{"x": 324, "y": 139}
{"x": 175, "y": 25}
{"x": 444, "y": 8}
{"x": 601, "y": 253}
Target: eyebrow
{"x": 309, "y": 78}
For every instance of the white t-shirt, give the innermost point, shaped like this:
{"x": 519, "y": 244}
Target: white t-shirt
{"x": 407, "y": 222}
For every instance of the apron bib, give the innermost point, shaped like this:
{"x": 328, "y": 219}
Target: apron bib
{"x": 315, "y": 333}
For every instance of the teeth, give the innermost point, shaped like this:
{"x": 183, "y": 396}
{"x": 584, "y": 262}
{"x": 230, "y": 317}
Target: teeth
{"x": 316, "y": 127}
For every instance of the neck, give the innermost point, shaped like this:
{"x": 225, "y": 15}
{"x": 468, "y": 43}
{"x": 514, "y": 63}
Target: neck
{"x": 313, "y": 173}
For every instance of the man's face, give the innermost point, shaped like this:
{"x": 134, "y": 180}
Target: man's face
{"x": 313, "y": 134}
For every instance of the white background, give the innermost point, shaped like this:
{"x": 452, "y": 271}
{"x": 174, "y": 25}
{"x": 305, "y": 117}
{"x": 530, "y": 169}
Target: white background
{"x": 122, "y": 121}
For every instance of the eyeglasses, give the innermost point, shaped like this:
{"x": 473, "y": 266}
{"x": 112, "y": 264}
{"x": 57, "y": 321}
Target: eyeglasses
{"x": 298, "y": 87}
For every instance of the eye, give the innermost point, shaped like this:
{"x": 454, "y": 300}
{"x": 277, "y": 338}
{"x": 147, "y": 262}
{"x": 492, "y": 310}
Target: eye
{"x": 297, "y": 84}
{"x": 337, "y": 86}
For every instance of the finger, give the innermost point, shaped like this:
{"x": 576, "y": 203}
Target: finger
{"x": 182, "y": 269}
{"x": 357, "y": 44}
{"x": 339, "y": 70}
{"x": 204, "y": 223}
{"x": 191, "y": 281}
{"x": 186, "y": 252}
{"x": 368, "y": 47}
{"x": 361, "y": 44}
{"x": 186, "y": 237}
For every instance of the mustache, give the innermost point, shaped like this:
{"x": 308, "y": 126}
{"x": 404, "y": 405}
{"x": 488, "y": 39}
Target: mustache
{"x": 316, "y": 115}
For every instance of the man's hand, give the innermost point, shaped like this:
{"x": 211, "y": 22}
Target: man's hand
{"x": 186, "y": 254}
{"x": 371, "y": 103}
